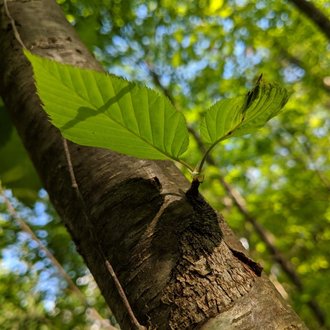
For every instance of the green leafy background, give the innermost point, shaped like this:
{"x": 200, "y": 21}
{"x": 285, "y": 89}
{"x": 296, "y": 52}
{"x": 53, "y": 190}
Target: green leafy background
{"x": 16, "y": 169}
{"x": 199, "y": 52}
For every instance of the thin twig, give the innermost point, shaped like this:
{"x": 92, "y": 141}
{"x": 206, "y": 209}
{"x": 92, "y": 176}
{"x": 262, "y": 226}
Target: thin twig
{"x": 13, "y": 24}
{"x": 74, "y": 184}
{"x": 26, "y": 228}
{"x": 157, "y": 82}
{"x": 88, "y": 220}
{"x": 124, "y": 297}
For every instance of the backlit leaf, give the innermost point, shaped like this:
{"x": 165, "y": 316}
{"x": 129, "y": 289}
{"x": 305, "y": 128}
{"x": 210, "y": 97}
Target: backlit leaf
{"x": 101, "y": 110}
{"x": 244, "y": 114}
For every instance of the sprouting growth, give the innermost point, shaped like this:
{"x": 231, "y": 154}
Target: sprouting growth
{"x": 109, "y": 112}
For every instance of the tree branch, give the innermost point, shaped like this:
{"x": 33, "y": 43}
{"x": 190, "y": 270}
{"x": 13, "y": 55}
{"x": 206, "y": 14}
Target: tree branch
{"x": 314, "y": 14}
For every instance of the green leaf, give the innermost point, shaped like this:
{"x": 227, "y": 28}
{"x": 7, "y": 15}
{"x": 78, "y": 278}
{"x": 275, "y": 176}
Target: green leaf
{"x": 96, "y": 109}
{"x": 244, "y": 114}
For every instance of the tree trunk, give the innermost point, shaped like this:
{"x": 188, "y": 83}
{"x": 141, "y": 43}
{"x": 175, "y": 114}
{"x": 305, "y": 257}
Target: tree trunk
{"x": 180, "y": 265}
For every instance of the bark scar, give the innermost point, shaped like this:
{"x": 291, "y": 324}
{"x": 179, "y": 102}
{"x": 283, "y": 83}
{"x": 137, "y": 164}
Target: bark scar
{"x": 199, "y": 204}
{"x": 254, "y": 266}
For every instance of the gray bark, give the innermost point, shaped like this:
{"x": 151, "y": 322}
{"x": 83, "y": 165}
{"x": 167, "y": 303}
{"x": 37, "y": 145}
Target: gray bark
{"x": 180, "y": 265}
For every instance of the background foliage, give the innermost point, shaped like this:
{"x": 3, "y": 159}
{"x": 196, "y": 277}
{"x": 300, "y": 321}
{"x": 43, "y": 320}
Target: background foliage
{"x": 196, "y": 52}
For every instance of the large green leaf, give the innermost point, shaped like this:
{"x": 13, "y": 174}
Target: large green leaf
{"x": 101, "y": 110}
{"x": 244, "y": 114}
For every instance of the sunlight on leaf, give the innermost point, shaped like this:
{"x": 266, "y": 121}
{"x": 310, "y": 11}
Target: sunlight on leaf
{"x": 101, "y": 110}
{"x": 241, "y": 115}
{"x": 244, "y": 114}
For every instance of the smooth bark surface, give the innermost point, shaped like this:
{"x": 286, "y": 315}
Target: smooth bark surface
{"x": 180, "y": 265}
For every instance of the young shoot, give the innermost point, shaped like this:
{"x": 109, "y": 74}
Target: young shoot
{"x": 101, "y": 110}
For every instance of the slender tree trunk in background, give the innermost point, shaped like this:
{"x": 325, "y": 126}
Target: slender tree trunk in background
{"x": 314, "y": 14}
{"x": 178, "y": 262}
